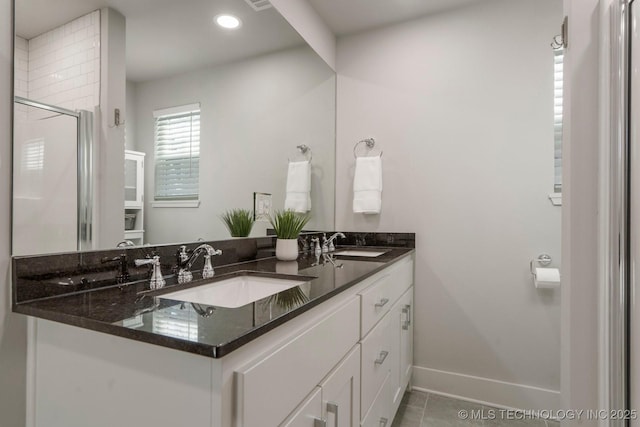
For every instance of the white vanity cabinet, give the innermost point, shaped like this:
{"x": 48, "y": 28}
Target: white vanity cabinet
{"x": 336, "y": 401}
{"x": 387, "y": 342}
{"x": 309, "y": 413}
{"x": 345, "y": 362}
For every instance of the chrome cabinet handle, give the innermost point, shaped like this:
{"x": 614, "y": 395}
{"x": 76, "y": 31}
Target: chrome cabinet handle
{"x": 380, "y": 360}
{"x": 332, "y": 408}
{"x": 406, "y": 310}
{"x": 382, "y": 302}
{"x": 383, "y": 422}
{"x": 317, "y": 422}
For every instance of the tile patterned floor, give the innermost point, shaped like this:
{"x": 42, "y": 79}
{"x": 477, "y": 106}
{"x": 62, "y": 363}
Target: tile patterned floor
{"x": 420, "y": 409}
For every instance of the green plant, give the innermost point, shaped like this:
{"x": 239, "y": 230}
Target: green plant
{"x": 288, "y": 224}
{"x": 289, "y": 298}
{"x": 239, "y": 222}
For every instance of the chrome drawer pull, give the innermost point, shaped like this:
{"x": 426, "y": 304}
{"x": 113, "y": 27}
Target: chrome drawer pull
{"x": 406, "y": 310}
{"x": 332, "y": 408}
{"x": 381, "y": 359}
{"x": 319, "y": 423}
{"x": 382, "y": 302}
{"x": 383, "y": 422}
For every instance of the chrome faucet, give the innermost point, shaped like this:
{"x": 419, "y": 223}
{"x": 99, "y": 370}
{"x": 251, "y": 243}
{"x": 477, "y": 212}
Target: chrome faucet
{"x": 315, "y": 242}
{"x": 329, "y": 258}
{"x": 186, "y": 260}
{"x": 325, "y": 243}
{"x": 157, "y": 281}
{"x": 123, "y": 271}
{"x": 331, "y": 246}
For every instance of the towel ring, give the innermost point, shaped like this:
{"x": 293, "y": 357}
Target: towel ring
{"x": 305, "y": 151}
{"x": 370, "y": 144}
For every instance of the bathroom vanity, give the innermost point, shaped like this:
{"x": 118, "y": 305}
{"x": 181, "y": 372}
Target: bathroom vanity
{"x": 339, "y": 354}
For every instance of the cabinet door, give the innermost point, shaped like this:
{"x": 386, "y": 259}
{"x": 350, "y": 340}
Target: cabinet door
{"x": 133, "y": 180}
{"x": 308, "y": 413}
{"x": 406, "y": 337}
{"x": 341, "y": 392}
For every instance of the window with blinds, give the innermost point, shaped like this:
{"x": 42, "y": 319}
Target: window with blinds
{"x": 177, "y": 153}
{"x": 558, "y": 57}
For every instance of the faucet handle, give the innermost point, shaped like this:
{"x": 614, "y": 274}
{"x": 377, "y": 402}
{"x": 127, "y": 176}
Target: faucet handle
{"x": 208, "y": 271}
{"x": 325, "y": 243}
{"x": 156, "y": 281}
{"x": 182, "y": 255}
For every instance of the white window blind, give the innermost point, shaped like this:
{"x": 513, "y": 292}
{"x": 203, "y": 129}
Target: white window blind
{"x": 558, "y": 58}
{"x": 177, "y": 153}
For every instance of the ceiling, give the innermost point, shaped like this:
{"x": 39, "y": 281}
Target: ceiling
{"x": 352, "y": 16}
{"x": 167, "y": 37}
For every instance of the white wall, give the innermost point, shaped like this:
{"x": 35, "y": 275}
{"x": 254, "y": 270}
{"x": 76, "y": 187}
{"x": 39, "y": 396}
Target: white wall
{"x": 580, "y": 217}
{"x": 12, "y": 326}
{"x": 306, "y": 21}
{"x": 129, "y": 116}
{"x": 253, "y": 114}
{"x": 109, "y": 215}
{"x": 461, "y": 103}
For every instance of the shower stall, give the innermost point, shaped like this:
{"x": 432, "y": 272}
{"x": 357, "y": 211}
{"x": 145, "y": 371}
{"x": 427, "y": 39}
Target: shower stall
{"x": 52, "y": 178}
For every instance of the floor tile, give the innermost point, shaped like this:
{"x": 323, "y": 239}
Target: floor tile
{"x": 511, "y": 418}
{"x": 415, "y": 398}
{"x": 430, "y": 410}
{"x": 408, "y": 416}
{"x": 446, "y": 412}
{"x": 514, "y": 423}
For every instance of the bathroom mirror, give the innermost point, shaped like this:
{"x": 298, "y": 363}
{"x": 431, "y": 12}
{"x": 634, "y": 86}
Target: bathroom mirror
{"x": 97, "y": 78}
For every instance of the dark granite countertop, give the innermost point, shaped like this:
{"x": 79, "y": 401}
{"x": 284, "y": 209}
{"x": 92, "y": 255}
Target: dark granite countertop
{"x": 135, "y": 312}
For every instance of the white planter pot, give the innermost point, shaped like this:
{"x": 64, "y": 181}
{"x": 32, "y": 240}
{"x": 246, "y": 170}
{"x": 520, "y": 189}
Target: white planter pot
{"x": 287, "y": 249}
{"x": 287, "y": 267}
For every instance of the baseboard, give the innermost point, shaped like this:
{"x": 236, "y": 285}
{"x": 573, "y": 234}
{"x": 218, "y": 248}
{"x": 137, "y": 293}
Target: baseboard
{"x": 484, "y": 390}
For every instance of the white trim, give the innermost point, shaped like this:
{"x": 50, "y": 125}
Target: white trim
{"x": 487, "y": 391}
{"x": 32, "y": 349}
{"x": 181, "y": 109}
{"x": 556, "y": 199}
{"x": 176, "y": 204}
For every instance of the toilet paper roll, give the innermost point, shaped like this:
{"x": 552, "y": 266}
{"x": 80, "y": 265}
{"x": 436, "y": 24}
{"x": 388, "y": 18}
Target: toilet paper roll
{"x": 547, "y": 278}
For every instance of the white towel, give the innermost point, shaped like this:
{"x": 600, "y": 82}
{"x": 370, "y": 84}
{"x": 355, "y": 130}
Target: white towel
{"x": 298, "y": 197}
{"x": 367, "y": 185}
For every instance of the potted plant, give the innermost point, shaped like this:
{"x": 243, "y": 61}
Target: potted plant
{"x": 289, "y": 298}
{"x": 239, "y": 222}
{"x": 288, "y": 225}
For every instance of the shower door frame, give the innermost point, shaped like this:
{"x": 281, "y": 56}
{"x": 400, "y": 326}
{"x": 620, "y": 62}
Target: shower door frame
{"x": 84, "y": 163}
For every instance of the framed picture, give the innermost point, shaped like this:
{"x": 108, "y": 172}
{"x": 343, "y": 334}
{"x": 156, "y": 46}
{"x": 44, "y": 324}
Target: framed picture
{"x": 261, "y": 206}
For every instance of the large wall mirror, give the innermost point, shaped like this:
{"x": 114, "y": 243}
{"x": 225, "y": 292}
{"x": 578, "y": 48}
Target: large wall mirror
{"x": 144, "y": 120}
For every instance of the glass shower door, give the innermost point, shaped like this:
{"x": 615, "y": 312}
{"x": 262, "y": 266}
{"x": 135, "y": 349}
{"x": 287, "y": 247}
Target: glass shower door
{"x": 45, "y": 179}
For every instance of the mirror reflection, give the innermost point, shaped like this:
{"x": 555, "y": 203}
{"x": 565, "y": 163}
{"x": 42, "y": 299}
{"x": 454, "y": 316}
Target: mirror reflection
{"x": 146, "y": 121}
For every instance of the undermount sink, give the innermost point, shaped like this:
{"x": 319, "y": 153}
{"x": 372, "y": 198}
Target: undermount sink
{"x": 362, "y": 253}
{"x": 235, "y": 292}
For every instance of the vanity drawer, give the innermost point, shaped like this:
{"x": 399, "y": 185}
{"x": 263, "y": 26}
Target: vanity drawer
{"x": 378, "y": 298}
{"x": 380, "y": 414}
{"x": 378, "y": 358}
{"x": 269, "y": 388}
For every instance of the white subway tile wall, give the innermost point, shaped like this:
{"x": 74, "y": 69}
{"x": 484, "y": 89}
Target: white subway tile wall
{"x": 21, "y": 76}
{"x": 21, "y": 73}
{"x": 64, "y": 64}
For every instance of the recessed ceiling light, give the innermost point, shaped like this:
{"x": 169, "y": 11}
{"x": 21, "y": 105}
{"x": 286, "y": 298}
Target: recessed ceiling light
{"x": 228, "y": 21}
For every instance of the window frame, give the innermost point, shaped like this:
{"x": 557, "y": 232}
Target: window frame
{"x": 177, "y": 200}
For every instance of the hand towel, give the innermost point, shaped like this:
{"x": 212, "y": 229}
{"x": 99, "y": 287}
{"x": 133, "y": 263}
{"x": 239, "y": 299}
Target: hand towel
{"x": 298, "y": 197}
{"x": 367, "y": 185}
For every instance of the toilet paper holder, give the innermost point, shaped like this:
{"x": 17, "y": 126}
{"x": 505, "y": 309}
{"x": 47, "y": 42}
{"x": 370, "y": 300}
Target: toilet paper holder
{"x": 543, "y": 259}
